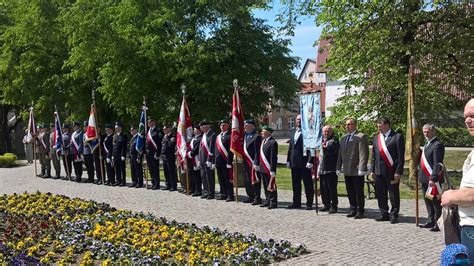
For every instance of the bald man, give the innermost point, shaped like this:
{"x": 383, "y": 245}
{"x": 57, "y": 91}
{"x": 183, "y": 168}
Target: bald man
{"x": 327, "y": 170}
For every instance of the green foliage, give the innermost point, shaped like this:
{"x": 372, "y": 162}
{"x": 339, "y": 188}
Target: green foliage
{"x": 7, "y": 160}
{"x": 458, "y": 137}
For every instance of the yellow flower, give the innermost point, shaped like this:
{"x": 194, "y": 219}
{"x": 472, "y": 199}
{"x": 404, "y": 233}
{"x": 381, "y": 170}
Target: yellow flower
{"x": 20, "y": 245}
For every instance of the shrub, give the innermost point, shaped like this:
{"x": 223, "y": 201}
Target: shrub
{"x": 457, "y": 137}
{"x": 7, "y": 160}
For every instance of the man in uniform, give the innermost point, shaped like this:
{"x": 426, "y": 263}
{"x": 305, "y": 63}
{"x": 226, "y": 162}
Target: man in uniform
{"x": 135, "y": 160}
{"x": 431, "y": 158}
{"x": 327, "y": 170}
{"x": 300, "y": 162}
{"x": 88, "y": 158}
{"x": 98, "y": 154}
{"x": 154, "y": 138}
{"x": 68, "y": 157}
{"x": 168, "y": 154}
{"x": 252, "y": 142}
{"x": 352, "y": 162}
{"x": 44, "y": 151}
{"x": 119, "y": 152}
{"x": 193, "y": 162}
{"x": 268, "y": 166}
{"x": 206, "y": 153}
{"x": 223, "y": 162}
{"x": 108, "y": 154}
{"x": 388, "y": 158}
{"x": 54, "y": 153}
{"x": 77, "y": 146}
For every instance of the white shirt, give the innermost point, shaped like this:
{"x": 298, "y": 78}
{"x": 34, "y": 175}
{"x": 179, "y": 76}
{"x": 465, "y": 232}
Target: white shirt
{"x": 467, "y": 213}
{"x": 297, "y": 135}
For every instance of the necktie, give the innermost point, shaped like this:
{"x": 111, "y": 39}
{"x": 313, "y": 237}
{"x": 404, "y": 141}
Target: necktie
{"x": 348, "y": 139}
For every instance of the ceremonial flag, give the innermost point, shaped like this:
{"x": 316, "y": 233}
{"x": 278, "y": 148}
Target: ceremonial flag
{"x": 311, "y": 122}
{"x": 31, "y": 126}
{"x": 185, "y": 130}
{"x": 140, "y": 144}
{"x": 92, "y": 133}
{"x": 237, "y": 134}
{"x": 57, "y": 134}
{"x": 412, "y": 145}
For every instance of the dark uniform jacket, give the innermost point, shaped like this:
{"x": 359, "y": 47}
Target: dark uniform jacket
{"x": 210, "y": 140}
{"x": 79, "y": 140}
{"x": 434, "y": 154}
{"x": 133, "y": 149}
{"x": 296, "y": 155}
{"x": 67, "y": 143}
{"x": 330, "y": 152}
{"x": 252, "y": 142}
{"x": 157, "y": 136}
{"x": 43, "y": 143}
{"x": 120, "y": 146}
{"x": 270, "y": 150}
{"x": 195, "y": 142}
{"x": 168, "y": 148}
{"x": 396, "y": 147}
{"x": 108, "y": 145}
{"x": 220, "y": 159}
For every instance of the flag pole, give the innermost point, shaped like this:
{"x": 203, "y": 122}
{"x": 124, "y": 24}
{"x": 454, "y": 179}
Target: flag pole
{"x": 314, "y": 177}
{"x": 186, "y": 168}
{"x": 34, "y": 139}
{"x": 66, "y": 165}
{"x": 145, "y": 164}
{"x": 101, "y": 161}
{"x": 235, "y": 83}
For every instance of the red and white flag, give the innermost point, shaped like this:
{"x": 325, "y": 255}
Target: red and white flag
{"x": 238, "y": 133}
{"x": 184, "y": 135}
{"x": 91, "y": 131}
{"x": 31, "y": 126}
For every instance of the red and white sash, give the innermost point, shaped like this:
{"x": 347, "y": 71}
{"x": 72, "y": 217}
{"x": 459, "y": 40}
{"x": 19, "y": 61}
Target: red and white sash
{"x": 266, "y": 167}
{"x": 204, "y": 144}
{"x": 105, "y": 146}
{"x": 425, "y": 166}
{"x": 195, "y": 158}
{"x": 249, "y": 160}
{"x": 150, "y": 140}
{"x": 434, "y": 191}
{"x": 42, "y": 141}
{"x": 384, "y": 153}
{"x": 221, "y": 148}
{"x": 77, "y": 157}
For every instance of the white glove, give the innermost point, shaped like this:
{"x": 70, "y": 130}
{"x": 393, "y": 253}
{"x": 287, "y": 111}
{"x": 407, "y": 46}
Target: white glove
{"x": 156, "y": 157}
{"x": 122, "y": 158}
{"x": 256, "y": 167}
{"x": 208, "y": 164}
{"x": 101, "y": 158}
{"x": 288, "y": 165}
{"x": 197, "y": 163}
{"x": 272, "y": 174}
{"x": 138, "y": 160}
{"x": 189, "y": 154}
{"x": 108, "y": 160}
{"x": 309, "y": 165}
{"x": 360, "y": 173}
{"x": 338, "y": 172}
{"x": 229, "y": 166}
{"x": 213, "y": 166}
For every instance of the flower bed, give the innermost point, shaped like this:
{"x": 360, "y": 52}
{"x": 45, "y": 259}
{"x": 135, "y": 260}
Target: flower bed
{"x": 45, "y": 228}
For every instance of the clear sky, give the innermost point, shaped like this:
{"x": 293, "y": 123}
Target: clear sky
{"x": 306, "y": 34}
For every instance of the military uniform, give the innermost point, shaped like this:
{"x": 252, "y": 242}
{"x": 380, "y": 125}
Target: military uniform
{"x": 168, "y": 154}
{"x": 108, "y": 148}
{"x": 193, "y": 165}
{"x": 136, "y": 163}
{"x": 54, "y": 154}
{"x": 253, "y": 184}
{"x": 44, "y": 153}
{"x": 118, "y": 156}
{"x": 77, "y": 146}
{"x": 99, "y": 163}
{"x": 268, "y": 166}
{"x": 88, "y": 159}
{"x": 67, "y": 152}
{"x": 206, "y": 154}
{"x": 154, "y": 139}
{"x": 223, "y": 164}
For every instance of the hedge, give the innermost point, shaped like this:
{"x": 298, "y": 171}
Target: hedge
{"x": 457, "y": 137}
{"x": 7, "y": 160}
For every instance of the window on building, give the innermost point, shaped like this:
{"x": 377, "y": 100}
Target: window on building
{"x": 291, "y": 122}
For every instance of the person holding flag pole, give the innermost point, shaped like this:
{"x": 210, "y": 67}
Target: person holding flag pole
{"x": 57, "y": 145}
{"x": 31, "y": 135}
{"x": 140, "y": 143}
{"x": 237, "y": 134}
{"x": 184, "y": 135}
{"x": 92, "y": 137}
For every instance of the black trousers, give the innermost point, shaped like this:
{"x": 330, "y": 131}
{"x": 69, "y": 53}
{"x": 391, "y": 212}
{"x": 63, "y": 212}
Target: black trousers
{"x": 208, "y": 181}
{"x": 120, "y": 171}
{"x": 355, "y": 193}
{"x": 78, "y": 169}
{"x": 154, "y": 166}
{"x": 298, "y": 175}
{"x": 89, "y": 162}
{"x": 225, "y": 184}
{"x": 329, "y": 190}
{"x": 271, "y": 197}
{"x": 136, "y": 170}
{"x": 432, "y": 206}
{"x": 99, "y": 166}
{"x": 110, "y": 173}
{"x": 253, "y": 191}
{"x": 169, "y": 168}
{"x": 56, "y": 163}
{"x": 384, "y": 187}
{"x": 67, "y": 159}
{"x": 196, "y": 179}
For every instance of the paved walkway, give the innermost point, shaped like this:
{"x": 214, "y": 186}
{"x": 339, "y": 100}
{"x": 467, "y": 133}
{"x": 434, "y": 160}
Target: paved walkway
{"x": 332, "y": 239}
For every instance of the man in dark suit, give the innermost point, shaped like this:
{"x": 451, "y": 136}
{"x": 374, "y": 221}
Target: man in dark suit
{"x": 206, "y": 155}
{"x": 223, "y": 162}
{"x": 193, "y": 162}
{"x": 54, "y": 153}
{"x": 108, "y": 149}
{"x": 67, "y": 151}
{"x": 268, "y": 166}
{"x": 135, "y": 160}
{"x": 300, "y": 162}
{"x": 428, "y": 174}
{"x": 119, "y": 154}
{"x": 98, "y": 155}
{"x": 77, "y": 139}
{"x": 327, "y": 170}
{"x": 388, "y": 158}
{"x": 88, "y": 157}
{"x": 154, "y": 139}
{"x": 168, "y": 154}
{"x": 352, "y": 162}
{"x": 253, "y": 183}
{"x": 44, "y": 150}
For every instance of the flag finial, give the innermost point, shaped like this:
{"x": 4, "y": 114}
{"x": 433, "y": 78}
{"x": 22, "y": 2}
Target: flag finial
{"x": 93, "y": 95}
{"x": 183, "y": 88}
{"x": 235, "y": 82}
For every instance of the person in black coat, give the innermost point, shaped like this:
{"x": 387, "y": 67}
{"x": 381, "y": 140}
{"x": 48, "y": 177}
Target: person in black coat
{"x": 154, "y": 139}
{"x": 67, "y": 151}
{"x": 119, "y": 154}
{"x": 429, "y": 173}
{"x": 168, "y": 155}
{"x": 388, "y": 158}
{"x": 193, "y": 162}
{"x": 327, "y": 170}
{"x": 135, "y": 160}
{"x": 108, "y": 148}
{"x": 99, "y": 158}
{"x": 206, "y": 155}
{"x": 77, "y": 139}
{"x": 268, "y": 166}
{"x": 300, "y": 162}
{"x": 223, "y": 162}
{"x": 253, "y": 183}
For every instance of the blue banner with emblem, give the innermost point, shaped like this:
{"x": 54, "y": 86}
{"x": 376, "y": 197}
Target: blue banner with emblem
{"x": 311, "y": 124}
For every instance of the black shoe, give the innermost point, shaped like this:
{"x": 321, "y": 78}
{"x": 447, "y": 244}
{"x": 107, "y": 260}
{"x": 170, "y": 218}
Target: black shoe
{"x": 197, "y": 195}
{"x": 173, "y": 189}
{"x": 40, "y": 174}
{"x": 107, "y": 183}
{"x": 229, "y": 199}
{"x": 352, "y": 214}
{"x": 383, "y": 218}
{"x": 427, "y": 225}
{"x": 272, "y": 207}
{"x": 265, "y": 205}
{"x": 249, "y": 200}
{"x": 78, "y": 180}
{"x": 293, "y": 206}
{"x": 132, "y": 185}
{"x": 121, "y": 185}
{"x": 139, "y": 186}
{"x": 204, "y": 196}
{"x": 115, "y": 184}
{"x": 332, "y": 210}
{"x": 222, "y": 198}
{"x": 359, "y": 215}
{"x": 435, "y": 229}
{"x": 324, "y": 209}
{"x": 167, "y": 188}
{"x": 57, "y": 177}
{"x": 98, "y": 183}
{"x": 211, "y": 197}
{"x": 394, "y": 220}
{"x": 309, "y": 208}
{"x": 257, "y": 202}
